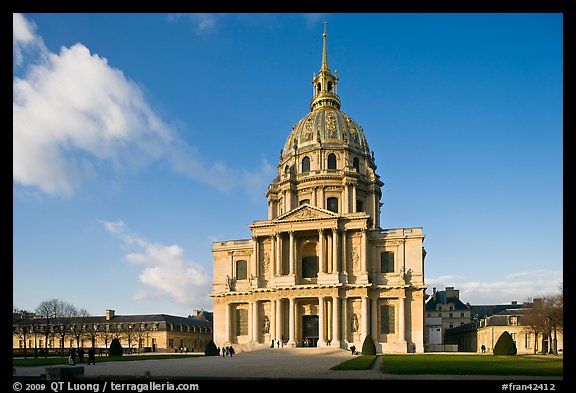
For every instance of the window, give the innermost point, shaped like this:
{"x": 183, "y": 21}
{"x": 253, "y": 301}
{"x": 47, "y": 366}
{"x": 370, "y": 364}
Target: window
{"x": 331, "y": 161}
{"x": 359, "y": 206}
{"x": 241, "y": 270}
{"x": 528, "y": 342}
{"x": 461, "y": 315}
{"x": 356, "y": 164}
{"x": 513, "y": 337}
{"x": 439, "y": 315}
{"x": 451, "y": 315}
{"x": 513, "y": 321}
{"x": 310, "y": 267}
{"x": 286, "y": 169}
{"x": 241, "y": 322}
{"x": 306, "y": 164}
{"x": 304, "y": 201}
{"x": 387, "y": 319}
{"x": 329, "y": 86}
{"x": 387, "y": 262}
{"x": 332, "y": 204}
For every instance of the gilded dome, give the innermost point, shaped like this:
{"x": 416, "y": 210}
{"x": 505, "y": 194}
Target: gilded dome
{"x": 329, "y": 126}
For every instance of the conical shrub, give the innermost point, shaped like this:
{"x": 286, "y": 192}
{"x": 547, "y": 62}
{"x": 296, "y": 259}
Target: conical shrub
{"x": 505, "y": 345}
{"x": 115, "y": 348}
{"x": 211, "y": 349}
{"x": 368, "y": 347}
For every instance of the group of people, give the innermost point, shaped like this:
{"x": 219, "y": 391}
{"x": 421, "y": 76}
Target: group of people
{"x": 81, "y": 353}
{"x": 226, "y": 351}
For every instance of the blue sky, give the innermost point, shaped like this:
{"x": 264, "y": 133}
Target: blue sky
{"x": 139, "y": 139}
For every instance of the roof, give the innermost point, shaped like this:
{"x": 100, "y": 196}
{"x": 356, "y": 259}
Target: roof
{"x": 441, "y": 298}
{"x": 484, "y": 311}
{"x": 146, "y": 318}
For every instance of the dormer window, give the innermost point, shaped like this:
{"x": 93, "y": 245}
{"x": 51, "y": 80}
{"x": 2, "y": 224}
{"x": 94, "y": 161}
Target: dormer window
{"x": 331, "y": 161}
{"x": 306, "y": 164}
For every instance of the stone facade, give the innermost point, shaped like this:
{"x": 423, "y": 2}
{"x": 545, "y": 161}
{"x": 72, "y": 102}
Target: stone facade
{"x": 157, "y": 332}
{"x": 320, "y": 270}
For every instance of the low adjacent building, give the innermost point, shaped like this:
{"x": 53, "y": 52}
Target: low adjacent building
{"x": 149, "y": 332}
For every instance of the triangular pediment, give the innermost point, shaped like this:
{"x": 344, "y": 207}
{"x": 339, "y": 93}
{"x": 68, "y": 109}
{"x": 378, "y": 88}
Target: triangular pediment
{"x": 307, "y": 212}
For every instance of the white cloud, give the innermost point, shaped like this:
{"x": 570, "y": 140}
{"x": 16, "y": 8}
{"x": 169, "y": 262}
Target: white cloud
{"x": 519, "y": 286}
{"x": 74, "y": 113}
{"x": 203, "y": 22}
{"x": 166, "y": 273}
{"x": 75, "y": 116}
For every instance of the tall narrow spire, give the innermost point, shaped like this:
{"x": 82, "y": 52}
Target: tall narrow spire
{"x": 325, "y": 84}
{"x": 324, "y": 49}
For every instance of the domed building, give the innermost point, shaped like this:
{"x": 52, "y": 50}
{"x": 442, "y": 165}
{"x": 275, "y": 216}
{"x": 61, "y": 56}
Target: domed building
{"x": 320, "y": 270}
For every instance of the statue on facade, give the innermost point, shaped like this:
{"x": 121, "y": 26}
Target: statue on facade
{"x": 354, "y": 323}
{"x": 266, "y": 324}
{"x": 228, "y": 283}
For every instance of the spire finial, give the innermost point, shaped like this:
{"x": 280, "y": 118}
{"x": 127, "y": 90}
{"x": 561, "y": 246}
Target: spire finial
{"x": 324, "y": 49}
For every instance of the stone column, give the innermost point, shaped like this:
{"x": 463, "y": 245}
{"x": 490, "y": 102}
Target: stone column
{"x": 321, "y": 322}
{"x": 322, "y": 203}
{"x": 273, "y": 255}
{"x": 291, "y": 327}
{"x": 401, "y": 327}
{"x": 376, "y": 209}
{"x": 374, "y": 320}
{"x": 278, "y": 254}
{"x": 354, "y": 210}
{"x": 228, "y": 322}
{"x": 292, "y": 258}
{"x": 334, "y": 250}
{"x": 320, "y": 251}
{"x": 345, "y": 319}
{"x": 255, "y": 322}
{"x": 250, "y": 319}
{"x": 365, "y": 318}
{"x": 254, "y": 259}
{"x": 279, "y": 319}
{"x": 273, "y": 319}
{"x": 363, "y": 252}
{"x": 313, "y": 199}
{"x": 345, "y": 199}
{"x": 336, "y": 321}
{"x": 344, "y": 253}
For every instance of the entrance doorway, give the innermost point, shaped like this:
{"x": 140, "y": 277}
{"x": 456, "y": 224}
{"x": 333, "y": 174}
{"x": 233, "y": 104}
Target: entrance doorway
{"x": 309, "y": 330}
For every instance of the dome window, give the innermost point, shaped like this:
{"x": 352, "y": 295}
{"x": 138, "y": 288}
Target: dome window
{"x": 306, "y": 164}
{"x": 332, "y": 204}
{"x": 331, "y": 161}
{"x": 356, "y": 164}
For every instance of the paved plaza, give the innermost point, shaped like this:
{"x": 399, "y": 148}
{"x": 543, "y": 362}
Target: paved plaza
{"x": 277, "y": 363}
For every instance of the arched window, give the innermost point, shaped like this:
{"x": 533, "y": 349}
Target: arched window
{"x": 332, "y": 204}
{"x": 306, "y": 164}
{"x": 286, "y": 169}
{"x": 359, "y": 205}
{"x": 331, "y": 161}
{"x": 329, "y": 86}
{"x": 356, "y": 164}
{"x": 241, "y": 270}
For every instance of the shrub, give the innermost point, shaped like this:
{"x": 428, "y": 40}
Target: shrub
{"x": 115, "y": 348}
{"x": 505, "y": 345}
{"x": 368, "y": 347}
{"x": 211, "y": 349}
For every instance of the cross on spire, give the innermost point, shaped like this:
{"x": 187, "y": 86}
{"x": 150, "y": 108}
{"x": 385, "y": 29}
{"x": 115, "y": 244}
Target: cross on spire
{"x": 324, "y": 23}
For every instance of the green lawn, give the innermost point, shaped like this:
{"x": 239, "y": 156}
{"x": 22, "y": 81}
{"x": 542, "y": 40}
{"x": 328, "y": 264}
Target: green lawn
{"x": 472, "y": 365}
{"x": 52, "y": 361}
{"x": 363, "y": 362}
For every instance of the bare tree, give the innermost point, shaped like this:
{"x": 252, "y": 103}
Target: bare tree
{"x": 545, "y": 318}
{"x": 23, "y": 327}
{"x": 80, "y": 329}
{"x": 47, "y": 310}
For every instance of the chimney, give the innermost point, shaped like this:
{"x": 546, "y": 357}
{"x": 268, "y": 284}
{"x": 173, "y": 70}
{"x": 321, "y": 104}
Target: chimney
{"x": 514, "y": 303}
{"x": 434, "y": 293}
{"x": 109, "y": 314}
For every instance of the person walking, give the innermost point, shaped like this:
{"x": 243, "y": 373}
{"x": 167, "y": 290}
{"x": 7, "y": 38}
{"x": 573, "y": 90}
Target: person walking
{"x": 81, "y": 355}
{"x": 92, "y": 356}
